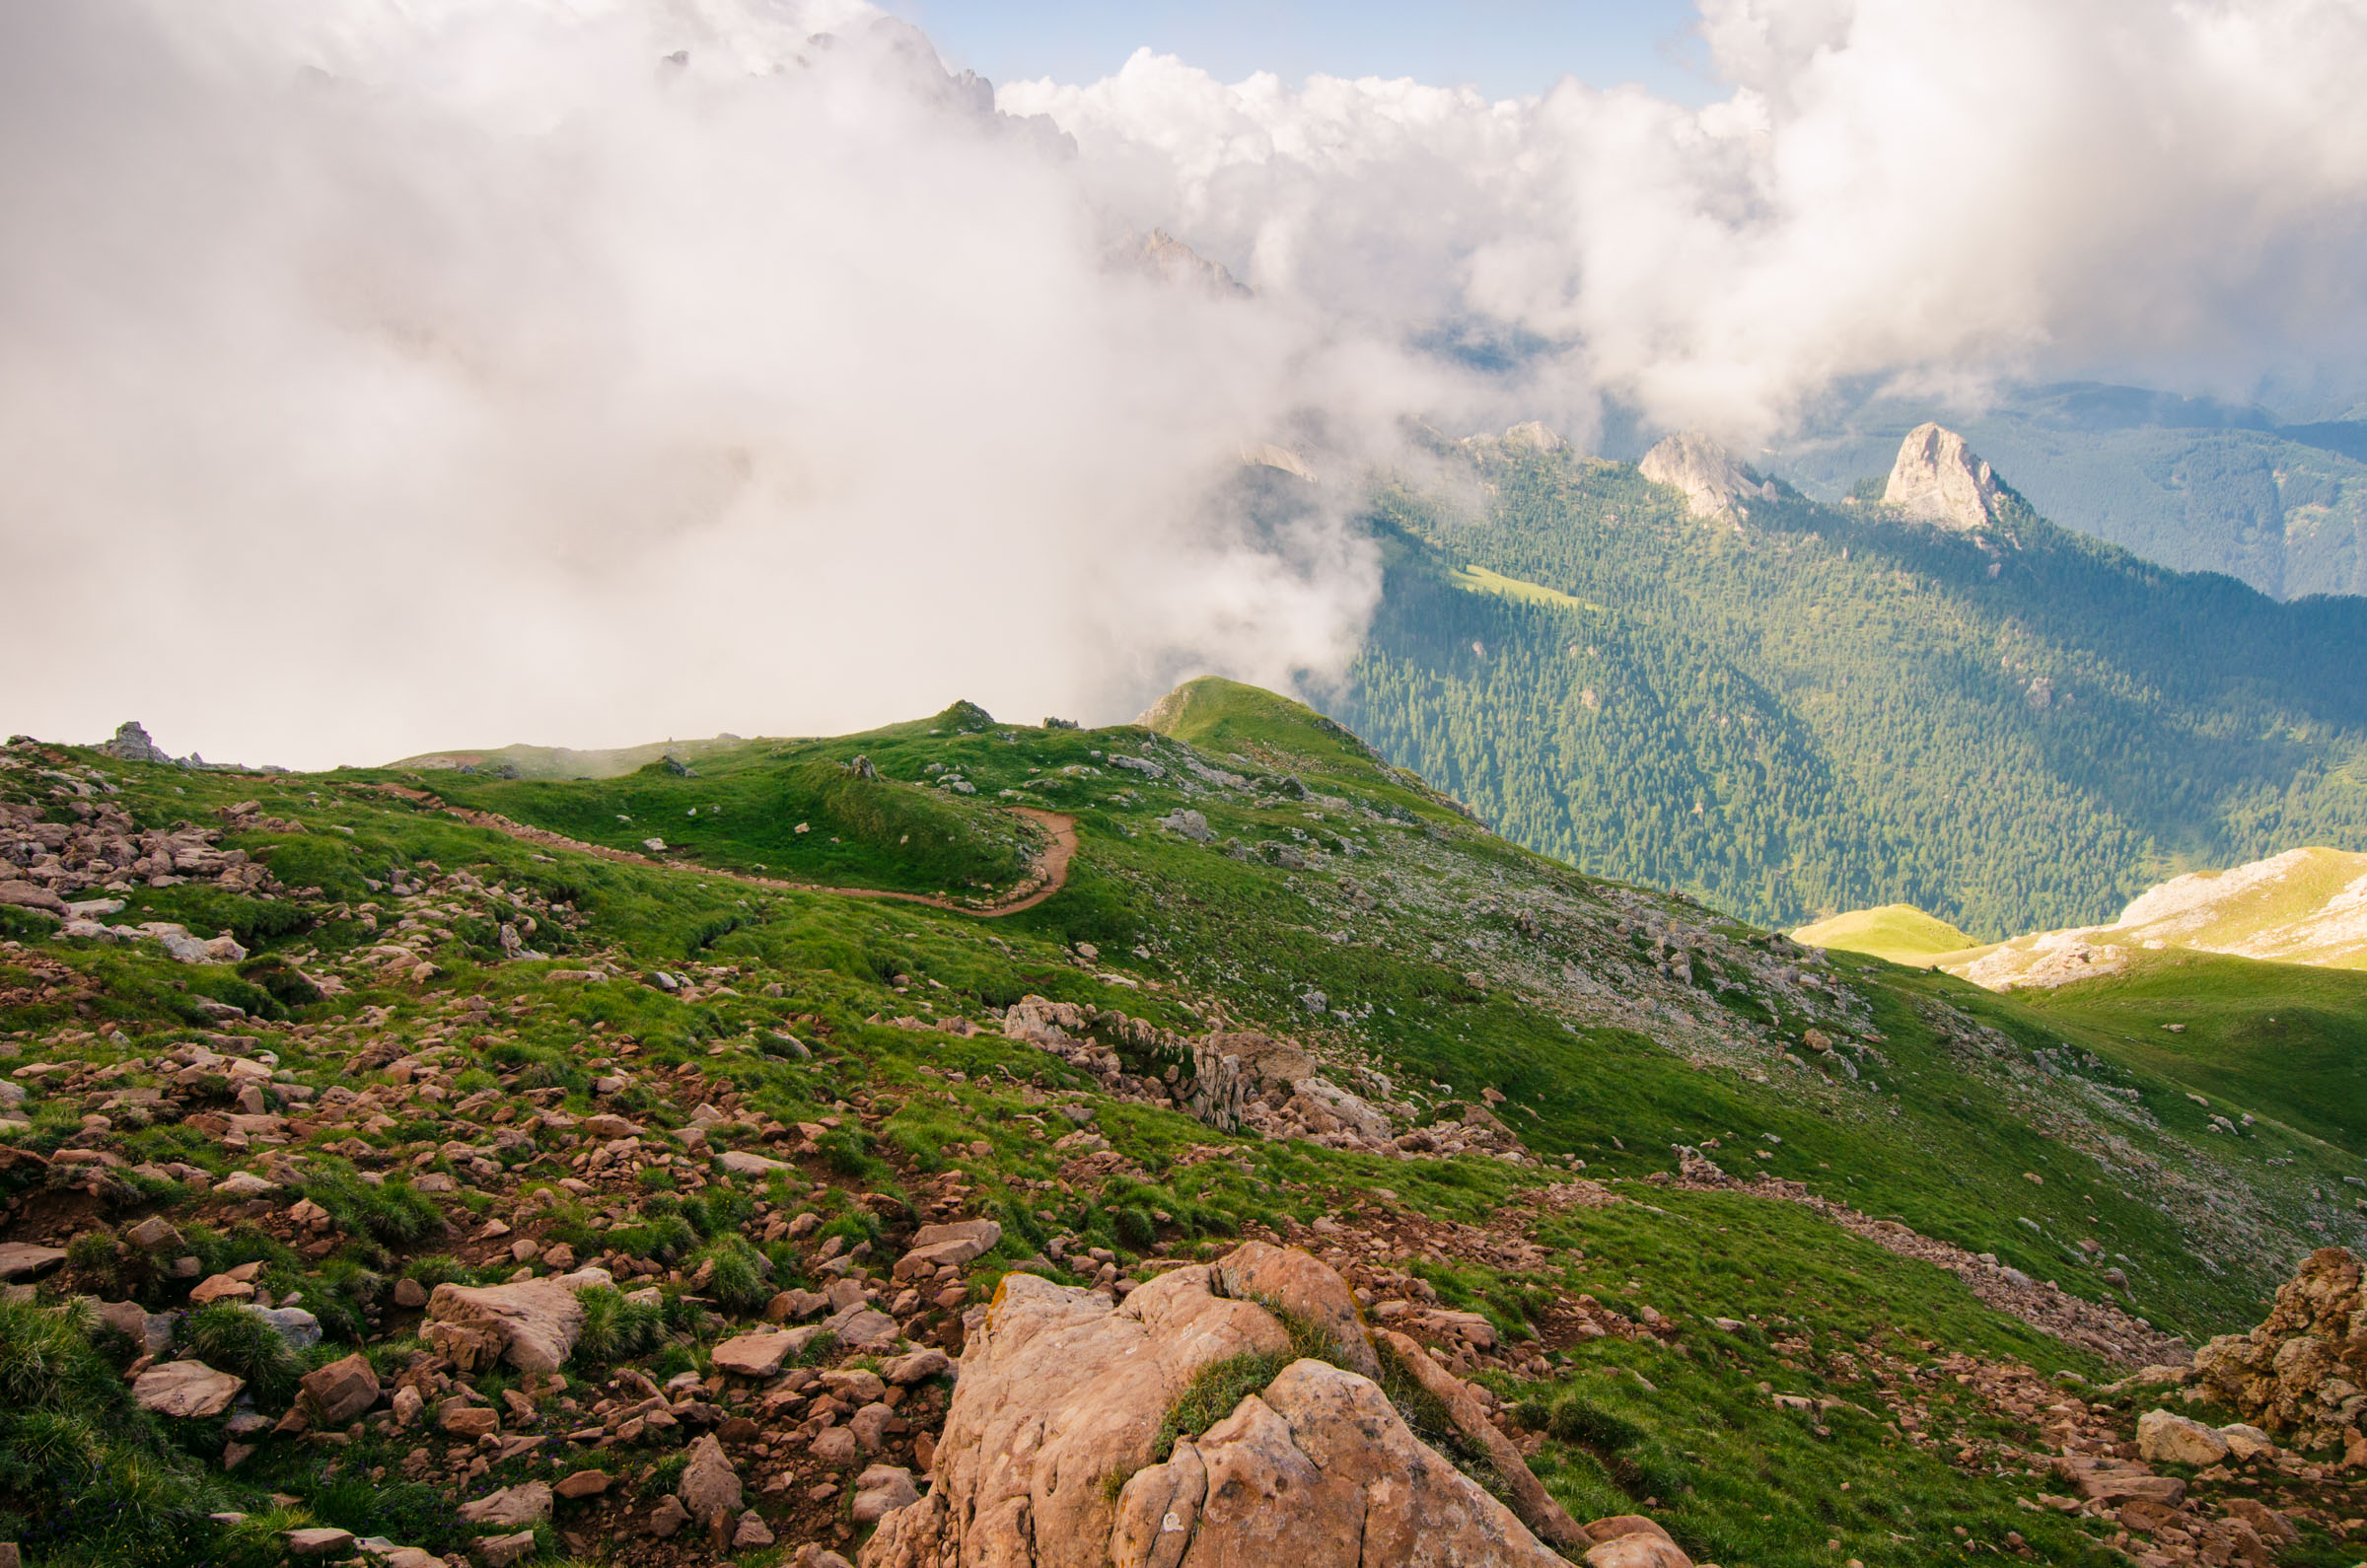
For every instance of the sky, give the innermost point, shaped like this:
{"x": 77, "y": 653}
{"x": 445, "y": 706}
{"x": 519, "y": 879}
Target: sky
{"x": 378, "y": 377}
{"x": 1506, "y": 48}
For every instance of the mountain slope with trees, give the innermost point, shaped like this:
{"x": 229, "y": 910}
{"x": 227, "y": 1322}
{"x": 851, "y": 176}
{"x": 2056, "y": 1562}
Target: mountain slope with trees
{"x": 1824, "y": 709}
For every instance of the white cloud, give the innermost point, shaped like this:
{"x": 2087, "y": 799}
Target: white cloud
{"x": 375, "y": 382}
{"x": 1891, "y": 186}
{"x": 376, "y": 376}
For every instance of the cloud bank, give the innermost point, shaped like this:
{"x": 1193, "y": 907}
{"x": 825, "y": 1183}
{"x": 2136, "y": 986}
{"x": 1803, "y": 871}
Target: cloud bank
{"x": 381, "y": 377}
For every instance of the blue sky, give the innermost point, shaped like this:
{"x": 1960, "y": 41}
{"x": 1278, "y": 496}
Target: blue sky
{"x": 1504, "y": 47}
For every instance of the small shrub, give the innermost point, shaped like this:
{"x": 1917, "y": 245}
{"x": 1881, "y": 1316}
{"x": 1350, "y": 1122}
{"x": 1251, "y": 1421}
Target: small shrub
{"x": 1136, "y": 1229}
{"x": 235, "y": 1339}
{"x": 1578, "y": 1419}
{"x": 437, "y": 1268}
{"x": 615, "y": 1329}
{"x": 737, "y": 1282}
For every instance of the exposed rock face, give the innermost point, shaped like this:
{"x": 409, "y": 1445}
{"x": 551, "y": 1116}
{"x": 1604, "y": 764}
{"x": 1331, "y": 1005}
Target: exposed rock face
{"x": 1231, "y": 1080}
{"x": 2301, "y": 1372}
{"x": 1937, "y": 479}
{"x": 132, "y": 744}
{"x": 1064, "y": 1391}
{"x": 1161, "y": 255}
{"x": 1714, "y": 484}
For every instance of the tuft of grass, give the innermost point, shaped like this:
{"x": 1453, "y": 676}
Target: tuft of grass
{"x": 232, "y": 1338}
{"x": 615, "y": 1329}
{"x": 1213, "y": 1394}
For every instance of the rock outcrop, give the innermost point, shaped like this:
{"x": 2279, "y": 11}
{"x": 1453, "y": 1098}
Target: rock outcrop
{"x": 1230, "y": 1081}
{"x": 2302, "y": 1373}
{"x": 1052, "y": 1455}
{"x": 1715, "y": 485}
{"x": 1938, "y": 480}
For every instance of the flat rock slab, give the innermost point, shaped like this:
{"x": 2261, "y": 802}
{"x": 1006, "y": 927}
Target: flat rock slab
{"x": 861, "y": 1328}
{"x": 22, "y": 1260}
{"x": 186, "y": 1388}
{"x": 738, "y": 1162}
{"x": 532, "y": 1325}
{"x": 527, "y": 1503}
{"x": 318, "y": 1541}
{"x": 758, "y": 1355}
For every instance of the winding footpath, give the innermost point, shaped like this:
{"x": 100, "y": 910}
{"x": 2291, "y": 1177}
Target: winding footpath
{"x": 1047, "y": 876}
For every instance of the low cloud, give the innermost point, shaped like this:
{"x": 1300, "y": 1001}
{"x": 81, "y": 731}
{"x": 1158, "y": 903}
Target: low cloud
{"x": 377, "y": 382}
{"x": 1938, "y": 192}
{"x": 375, "y": 378}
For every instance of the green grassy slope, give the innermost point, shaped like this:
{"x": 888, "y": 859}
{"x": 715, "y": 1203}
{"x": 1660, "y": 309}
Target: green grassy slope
{"x": 1898, "y": 931}
{"x": 1831, "y": 710}
{"x": 2275, "y": 1039}
{"x": 1427, "y": 962}
{"x": 561, "y": 763}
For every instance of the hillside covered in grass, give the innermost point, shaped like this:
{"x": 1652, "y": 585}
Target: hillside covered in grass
{"x": 1898, "y": 931}
{"x": 1717, "y": 1223}
{"x": 1829, "y": 708}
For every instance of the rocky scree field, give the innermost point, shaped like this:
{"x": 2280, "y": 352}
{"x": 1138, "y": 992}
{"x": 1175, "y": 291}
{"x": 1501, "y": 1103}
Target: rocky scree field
{"x": 404, "y": 1164}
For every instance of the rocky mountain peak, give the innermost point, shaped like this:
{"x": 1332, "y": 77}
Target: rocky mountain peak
{"x": 1939, "y": 479}
{"x": 1715, "y": 485}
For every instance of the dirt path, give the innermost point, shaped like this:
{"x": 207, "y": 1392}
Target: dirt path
{"x": 1048, "y": 877}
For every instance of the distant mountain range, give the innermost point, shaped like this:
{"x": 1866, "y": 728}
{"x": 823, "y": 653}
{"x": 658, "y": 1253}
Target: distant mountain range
{"x": 1793, "y": 708}
{"x": 2189, "y": 482}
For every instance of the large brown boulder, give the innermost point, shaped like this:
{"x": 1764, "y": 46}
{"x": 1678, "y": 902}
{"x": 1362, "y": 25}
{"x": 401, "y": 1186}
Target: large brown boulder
{"x": 1048, "y": 1454}
{"x": 2302, "y": 1372}
{"x": 532, "y": 1325}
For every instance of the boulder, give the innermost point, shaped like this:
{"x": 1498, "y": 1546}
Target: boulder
{"x": 1294, "y": 1284}
{"x": 1529, "y": 1500}
{"x": 738, "y": 1162}
{"x": 530, "y": 1323}
{"x": 751, "y": 1530}
{"x": 668, "y": 1517}
{"x": 525, "y": 1504}
{"x": 462, "y": 1419}
{"x": 756, "y": 1355}
{"x": 318, "y": 1541}
{"x": 918, "y": 1367}
{"x": 299, "y": 1328}
{"x": 221, "y": 1287}
{"x": 151, "y": 1331}
{"x": 2167, "y": 1439}
{"x": 153, "y": 1233}
{"x": 1640, "y": 1549}
{"x": 584, "y": 1484}
{"x": 186, "y": 1388}
{"x": 880, "y": 1490}
{"x": 710, "y": 1486}
{"x": 958, "y": 1243}
{"x": 2247, "y": 1442}
{"x": 1060, "y": 1388}
{"x": 499, "y": 1552}
{"x": 341, "y": 1391}
{"x": 22, "y": 1260}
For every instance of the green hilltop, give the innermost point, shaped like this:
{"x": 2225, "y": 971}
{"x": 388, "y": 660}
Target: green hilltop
{"x": 1898, "y": 931}
{"x": 446, "y": 980}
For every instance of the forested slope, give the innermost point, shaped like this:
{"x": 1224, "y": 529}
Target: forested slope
{"x": 1829, "y": 708}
